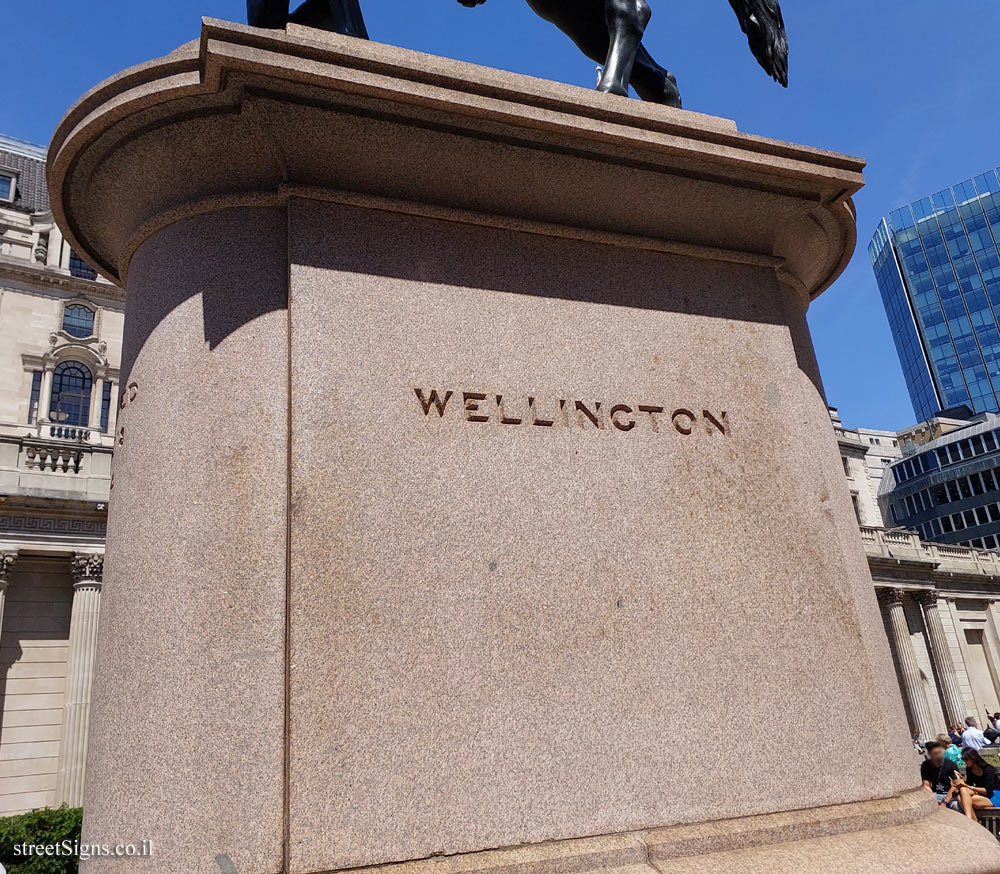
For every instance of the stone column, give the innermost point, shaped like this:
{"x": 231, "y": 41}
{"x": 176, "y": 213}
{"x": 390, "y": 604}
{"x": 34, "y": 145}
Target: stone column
{"x": 45, "y": 395}
{"x": 7, "y": 560}
{"x": 951, "y": 695}
{"x": 892, "y": 601}
{"x": 96, "y": 395}
{"x": 87, "y": 574}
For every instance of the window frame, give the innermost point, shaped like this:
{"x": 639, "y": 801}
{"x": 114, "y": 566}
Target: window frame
{"x": 78, "y": 304}
{"x": 13, "y": 176}
{"x": 85, "y": 395}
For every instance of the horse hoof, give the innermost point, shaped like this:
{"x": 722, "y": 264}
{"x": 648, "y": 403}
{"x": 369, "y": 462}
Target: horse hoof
{"x": 613, "y": 89}
{"x": 671, "y": 93}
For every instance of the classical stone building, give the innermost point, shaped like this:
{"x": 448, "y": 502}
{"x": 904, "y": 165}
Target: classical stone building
{"x": 940, "y": 602}
{"x": 941, "y": 608}
{"x": 866, "y": 454}
{"x": 60, "y": 348}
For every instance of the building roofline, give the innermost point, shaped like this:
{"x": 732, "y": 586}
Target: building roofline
{"x": 23, "y": 147}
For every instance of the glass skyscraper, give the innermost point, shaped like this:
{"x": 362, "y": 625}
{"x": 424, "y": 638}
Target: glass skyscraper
{"x": 937, "y": 264}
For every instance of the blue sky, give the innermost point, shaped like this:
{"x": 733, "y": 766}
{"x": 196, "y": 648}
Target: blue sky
{"x": 911, "y": 85}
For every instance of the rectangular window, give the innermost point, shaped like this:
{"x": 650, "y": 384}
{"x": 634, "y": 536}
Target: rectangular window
{"x": 6, "y": 187}
{"x": 977, "y": 444}
{"x": 981, "y": 516}
{"x": 895, "y": 515}
{"x": 994, "y": 511}
{"x": 953, "y": 454}
{"x": 970, "y": 518}
{"x": 946, "y": 525}
{"x": 953, "y": 490}
{"x": 940, "y": 495}
{"x": 977, "y": 484}
{"x": 105, "y": 405}
{"x": 965, "y": 486}
{"x": 857, "y": 508}
{"x": 977, "y": 543}
{"x": 942, "y": 455}
{"x": 80, "y": 268}
{"x": 989, "y": 481}
{"x": 36, "y": 389}
{"x": 847, "y": 465}
{"x": 958, "y": 521}
{"x": 990, "y": 440}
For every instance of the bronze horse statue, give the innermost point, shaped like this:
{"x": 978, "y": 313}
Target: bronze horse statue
{"x": 607, "y": 31}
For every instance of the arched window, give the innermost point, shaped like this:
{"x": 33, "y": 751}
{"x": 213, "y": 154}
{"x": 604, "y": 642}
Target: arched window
{"x": 78, "y": 320}
{"x": 70, "y": 405}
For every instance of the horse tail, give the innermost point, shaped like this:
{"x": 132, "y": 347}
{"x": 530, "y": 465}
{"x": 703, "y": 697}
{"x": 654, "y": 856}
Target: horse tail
{"x": 761, "y": 21}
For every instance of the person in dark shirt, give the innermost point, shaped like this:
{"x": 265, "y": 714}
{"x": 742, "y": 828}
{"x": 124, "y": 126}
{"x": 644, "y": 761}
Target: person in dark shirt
{"x": 937, "y": 772}
{"x": 981, "y": 787}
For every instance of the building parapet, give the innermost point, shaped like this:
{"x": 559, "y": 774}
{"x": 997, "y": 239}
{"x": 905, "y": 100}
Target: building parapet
{"x": 900, "y": 547}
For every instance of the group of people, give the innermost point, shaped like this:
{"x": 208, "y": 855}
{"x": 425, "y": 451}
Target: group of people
{"x": 951, "y": 754}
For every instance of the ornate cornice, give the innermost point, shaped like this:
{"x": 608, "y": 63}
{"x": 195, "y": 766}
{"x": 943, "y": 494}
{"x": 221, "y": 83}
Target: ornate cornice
{"x": 46, "y": 277}
{"x": 87, "y": 568}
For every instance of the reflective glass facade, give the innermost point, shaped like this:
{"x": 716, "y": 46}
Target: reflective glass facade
{"x": 937, "y": 264}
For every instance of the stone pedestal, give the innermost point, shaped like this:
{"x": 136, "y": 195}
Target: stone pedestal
{"x": 477, "y": 421}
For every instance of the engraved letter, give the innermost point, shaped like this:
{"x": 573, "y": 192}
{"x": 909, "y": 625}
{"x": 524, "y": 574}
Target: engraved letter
{"x": 683, "y": 414}
{"x": 653, "y": 411}
{"x": 594, "y": 417}
{"x": 543, "y": 423}
{"x": 710, "y": 420}
{"x": 433, "y": 399}
{"x": 472, "y": 406}
{"x": 627, "y": 425}
{"x": 504, "y": 420}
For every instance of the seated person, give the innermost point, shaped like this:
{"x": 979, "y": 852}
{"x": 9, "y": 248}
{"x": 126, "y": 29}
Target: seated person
{"x": 980, "y": 790}
{"x": 952, "y": 750}
{"x": 937, "y": 772}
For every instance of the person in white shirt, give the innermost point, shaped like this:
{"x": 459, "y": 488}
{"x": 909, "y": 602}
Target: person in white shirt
{"x": 972, "y": 737}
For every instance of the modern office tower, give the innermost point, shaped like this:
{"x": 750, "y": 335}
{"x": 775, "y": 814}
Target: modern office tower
{"x": 948, "y": 489}
{"x": 937, "y": 263}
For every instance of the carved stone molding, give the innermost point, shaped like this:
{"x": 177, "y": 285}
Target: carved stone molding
{"x": 7, "y": 560}
{"x": 890, "y": 596}
{"x": 927, "y": 597}
{"x": 88, "y": 568}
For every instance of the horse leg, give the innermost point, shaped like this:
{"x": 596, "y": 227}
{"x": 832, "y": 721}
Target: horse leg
{"x": 267, "y": 13}
{"x": 652, "y": 82}
{"x": 627, "y": 20}
{"x": 347, "y": 18}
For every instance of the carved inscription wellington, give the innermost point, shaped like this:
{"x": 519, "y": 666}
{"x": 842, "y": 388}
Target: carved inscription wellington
{"x": 480, "y": 408}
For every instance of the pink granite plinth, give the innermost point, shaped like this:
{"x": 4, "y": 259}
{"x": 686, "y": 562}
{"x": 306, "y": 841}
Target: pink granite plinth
{"x": 478, "y": 469}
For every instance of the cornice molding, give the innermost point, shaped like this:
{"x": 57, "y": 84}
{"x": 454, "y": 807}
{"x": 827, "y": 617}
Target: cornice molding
{"x": 47, "y": 278}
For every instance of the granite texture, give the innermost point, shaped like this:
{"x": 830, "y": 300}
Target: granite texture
{"x": 508, "y": 633}
{"x": 501, "y": 621}
{"x": 187, "y": 734}
{"x": 904, "y": 834}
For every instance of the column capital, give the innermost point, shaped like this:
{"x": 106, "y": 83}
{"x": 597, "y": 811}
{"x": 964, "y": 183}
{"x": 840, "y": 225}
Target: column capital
{"x": 927, "y": 597}
{"x": 88, "y": 569}
{"x": 7, "y": 560}
{"x": 890, "y": 595}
